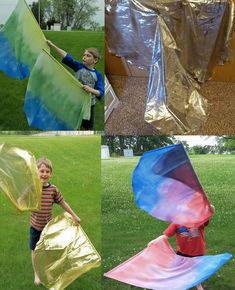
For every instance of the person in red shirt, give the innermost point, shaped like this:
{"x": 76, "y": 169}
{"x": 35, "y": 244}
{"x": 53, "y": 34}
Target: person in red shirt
{"x": 190, "y": 241}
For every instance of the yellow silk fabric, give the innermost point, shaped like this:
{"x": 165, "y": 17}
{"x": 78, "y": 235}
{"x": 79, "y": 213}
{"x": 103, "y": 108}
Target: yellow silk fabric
{"x": 19, "y": 180}
{"x": 63, "y": 253}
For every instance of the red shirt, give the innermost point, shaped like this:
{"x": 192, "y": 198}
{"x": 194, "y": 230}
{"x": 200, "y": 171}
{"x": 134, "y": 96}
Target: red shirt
{"x": 190, "y": 241}
{"x": 50, "y": 195}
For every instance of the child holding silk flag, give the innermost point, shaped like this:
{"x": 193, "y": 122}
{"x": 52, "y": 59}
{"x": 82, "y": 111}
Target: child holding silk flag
{"x": 39, "y": 218}
{"x": 190, "y": 240}
{"x": 86, "y": 73}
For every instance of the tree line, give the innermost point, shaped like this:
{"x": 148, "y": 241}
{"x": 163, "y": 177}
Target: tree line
{"x": 77, "y": 14}
{"x": 141, "y": 144}
{"x": 138, "y": 144}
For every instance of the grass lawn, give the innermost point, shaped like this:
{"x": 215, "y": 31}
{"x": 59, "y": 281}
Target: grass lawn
{"x": 12, "y": 91}
{"x": 76, "y": 172}
{"x": 126, "y": 229}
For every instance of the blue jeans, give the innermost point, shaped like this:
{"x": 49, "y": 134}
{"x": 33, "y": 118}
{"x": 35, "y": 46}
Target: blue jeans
{"x": 34, "y": 236}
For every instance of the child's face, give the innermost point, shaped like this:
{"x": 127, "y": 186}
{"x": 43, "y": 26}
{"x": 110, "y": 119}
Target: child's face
{"x": 44, "y": 173}
{"x": 88, "y": 59}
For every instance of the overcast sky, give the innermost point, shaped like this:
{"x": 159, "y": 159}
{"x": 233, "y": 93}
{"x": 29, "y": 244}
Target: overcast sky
{"x": 198, "y": 140}
{"x": 7, "y": 6}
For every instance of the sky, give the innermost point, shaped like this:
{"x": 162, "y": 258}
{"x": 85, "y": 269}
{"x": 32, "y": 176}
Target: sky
{"x": 197, "y": 140}
{"x": 7, "y": 6}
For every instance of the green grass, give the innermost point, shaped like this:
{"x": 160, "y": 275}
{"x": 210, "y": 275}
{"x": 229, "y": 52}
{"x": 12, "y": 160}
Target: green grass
{"x": 12, "y": 91}
{"x": 76, "y": 172}
{"x": 126, "y": 229}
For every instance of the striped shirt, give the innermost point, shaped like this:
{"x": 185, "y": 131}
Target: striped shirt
{"x": 50, "y": 195}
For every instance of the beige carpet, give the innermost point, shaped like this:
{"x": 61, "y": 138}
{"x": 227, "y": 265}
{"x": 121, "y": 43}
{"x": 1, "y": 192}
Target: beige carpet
{"x": 128, "y": 117}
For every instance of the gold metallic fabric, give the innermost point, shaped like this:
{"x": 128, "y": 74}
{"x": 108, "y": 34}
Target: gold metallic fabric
{"x": 19, "y": 180}
{"x": 63, "y": 253}
{"x": 201, "y": 29}
{"x": 180, "y": 42}
{"x": 174, "y": 104}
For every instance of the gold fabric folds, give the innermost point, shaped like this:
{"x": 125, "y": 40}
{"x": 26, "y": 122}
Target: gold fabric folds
{"x": 19, "y": 180}
{"x": 174, "y": 104}
{"x": 63, "y": 253}
{"x": 202, "y": 31}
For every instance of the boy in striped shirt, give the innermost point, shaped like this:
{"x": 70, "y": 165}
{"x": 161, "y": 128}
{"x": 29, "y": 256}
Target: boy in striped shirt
{"x": 39, "y": 218}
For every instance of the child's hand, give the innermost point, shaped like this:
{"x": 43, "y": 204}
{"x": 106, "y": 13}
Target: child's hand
{"x": 77, "y": 219}
{"x": 50, "y": 44}
{"x": 213, "y": 208}
{"x": 87, "y": 89}
{"x": 91, "y": 90}
{"x": 157, "y": 239}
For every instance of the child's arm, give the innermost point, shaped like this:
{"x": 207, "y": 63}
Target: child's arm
{"x": 91, "y": 90}
{"x": 157, "y": 239}
{"x": 58, "y": 50}
{"x": 98, "y": 90}
{"x": 67, "y": 208}
{"x": 169, "y": 232}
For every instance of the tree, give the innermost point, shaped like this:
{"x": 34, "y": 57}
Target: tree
{"x": 35, "y": 11}
{"x": 75, "y": 13}
{"x": 186, "y": 146}
{"x": 198, "y": 149}
{"x": 220, "y": 145}
{"x": 112, "y": 142}
{"x": 229, "y": 142}
{"x": 121, "y": 143}
{"x": 62, "y": 11}
{"x": 51, "y": 22}
{"x": 95, "y": 26}
{"x": 139, "y": 144}
{"x": 84, "y": 12}
{"x": 68, "y": 12}
{"x": 48, "y": 9}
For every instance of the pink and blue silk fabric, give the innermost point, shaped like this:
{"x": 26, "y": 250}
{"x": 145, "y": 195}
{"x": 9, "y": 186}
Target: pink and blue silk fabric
{"x": 158, "y": 267}
{"x": 166, "y": 186}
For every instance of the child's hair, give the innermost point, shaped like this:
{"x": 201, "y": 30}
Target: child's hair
{"x": 45, "y": 161}
{"x": 95, "y": 52}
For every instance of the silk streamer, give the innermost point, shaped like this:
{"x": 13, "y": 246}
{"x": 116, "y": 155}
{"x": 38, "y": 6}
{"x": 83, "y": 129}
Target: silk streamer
{"x": 158, "y": 267}
{"x": 19, "y": 180}
{"x": 21, "y": 41}
{"x": 54, "y": 98}
{"x": 165, "y": 186}
{"x": 63, "y": 253}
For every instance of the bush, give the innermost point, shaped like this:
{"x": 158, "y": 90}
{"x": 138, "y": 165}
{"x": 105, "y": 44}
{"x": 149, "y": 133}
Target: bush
{"x": 114, "y": 154}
